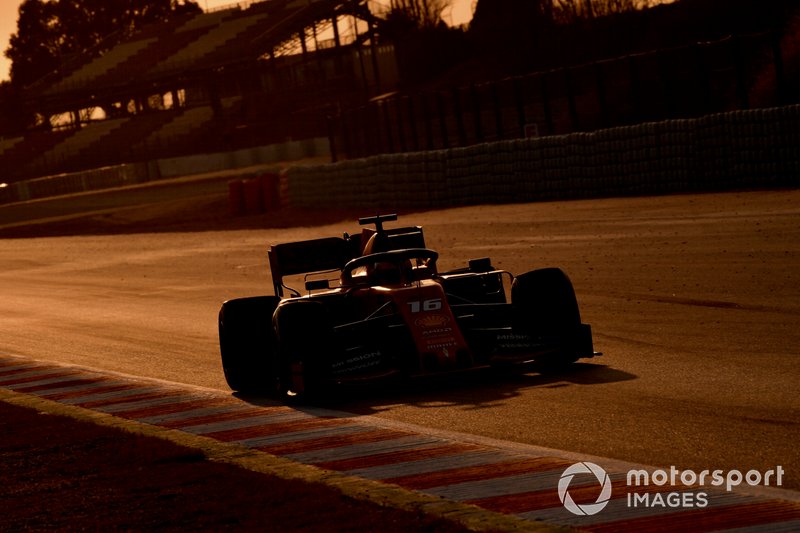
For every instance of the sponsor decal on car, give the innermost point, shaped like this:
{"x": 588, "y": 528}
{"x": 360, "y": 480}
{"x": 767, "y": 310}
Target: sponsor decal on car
{"x": 516, "y": 341}
{"x": 358, "y": 362}
{"x": 432, "y": 320}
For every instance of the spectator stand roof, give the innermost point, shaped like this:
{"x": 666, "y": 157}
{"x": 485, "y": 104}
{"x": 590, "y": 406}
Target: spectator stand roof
{"x": 175, "y": 54}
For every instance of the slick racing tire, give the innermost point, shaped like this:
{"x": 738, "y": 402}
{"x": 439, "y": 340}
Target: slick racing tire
{"x": 248, "y": 345}
{"x": 545, "y": 305}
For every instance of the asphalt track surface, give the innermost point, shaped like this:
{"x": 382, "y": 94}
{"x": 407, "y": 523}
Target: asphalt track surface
{"x": 693, "y": 299}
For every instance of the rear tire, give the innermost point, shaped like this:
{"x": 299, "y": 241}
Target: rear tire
{"x": 545, "y": 306}
{"x": 248, "y": 345}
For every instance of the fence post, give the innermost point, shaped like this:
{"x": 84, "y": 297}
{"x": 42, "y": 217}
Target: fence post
{"x": 573, "y": 109}
{"x": 401, "y": 131}
{"x": 636, "y": 89}
{"x": 780, "y": 74}
{"x": 412, "y": 123}
{"x": 476, "y": 112}
{"x": 378, "y": 133}
{"x": 498, "y": 112}
{"x": 370, "y": 131}
{"x": 426, "y": 112}
{"x": 332, "y": 139}
{"x": 666, "y": 85}
{"x": 701, "y": 69}
{"x": 520, "y": 106}
{"x": 384, "y": 106}
{"x": 548, "y": 115}
{"x": 347, "y": 131}
{"x": 442, "y": 120}
{"x": 462, "y": 134}
{"x": 601, "y": 94}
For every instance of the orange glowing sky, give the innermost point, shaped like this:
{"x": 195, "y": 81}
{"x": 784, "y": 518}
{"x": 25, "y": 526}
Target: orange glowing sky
{"x": 460, "y": 12}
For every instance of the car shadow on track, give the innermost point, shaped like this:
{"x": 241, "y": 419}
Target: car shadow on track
{"x": 470, "y": 391}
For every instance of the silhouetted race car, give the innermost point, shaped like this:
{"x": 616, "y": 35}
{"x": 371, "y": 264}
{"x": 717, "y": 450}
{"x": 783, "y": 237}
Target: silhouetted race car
{"x": 391, "y": 313}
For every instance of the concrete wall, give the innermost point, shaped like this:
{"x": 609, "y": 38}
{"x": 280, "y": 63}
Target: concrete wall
{"x": 101, "y": 178}
{"x": 129, "y": 174}
{"x": 261, "y": 155}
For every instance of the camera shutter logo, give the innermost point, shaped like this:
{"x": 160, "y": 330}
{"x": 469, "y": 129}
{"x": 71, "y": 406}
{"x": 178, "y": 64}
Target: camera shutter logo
{"x": 586, "y": 509}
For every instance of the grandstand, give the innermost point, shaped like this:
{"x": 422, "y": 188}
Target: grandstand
{"x": 256, "y": 73}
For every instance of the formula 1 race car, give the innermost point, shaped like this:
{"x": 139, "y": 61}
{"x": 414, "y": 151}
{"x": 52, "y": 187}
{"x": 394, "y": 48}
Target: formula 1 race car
{"x": 391, "y": 313}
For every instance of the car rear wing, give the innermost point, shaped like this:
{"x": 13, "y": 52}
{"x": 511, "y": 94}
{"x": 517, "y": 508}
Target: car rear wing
{"x": 398, "y": 238}
{"x": 330, "y": 253}
{"x": 303, "y": 257}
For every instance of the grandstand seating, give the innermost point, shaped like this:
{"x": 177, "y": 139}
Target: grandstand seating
{"x": 161, "y": 29}
{"x": 72, "y": 146}
{"x": 281, "y": 24}
{"x": 145, "y": 49}
{"x": 110, "y": 141}
{"x": 116, "y": 146}
{"x": 296, "y": 15}
{"x": 185, "y": 125}
{"x": 85, "y": 75}
{"x": 208, "y": 20}
{"x": 205, "y": 38}
{"x": 204, "y": 56}
{"x": 8, "y": 144}
{"x": 139, "y": 64}
{"x": 216, "y": 38}
{"x": 119, "y": 143}
{"x": 35, "y": 143}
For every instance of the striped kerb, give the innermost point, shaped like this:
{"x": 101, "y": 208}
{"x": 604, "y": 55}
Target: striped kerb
{"x": 519, "y": 483}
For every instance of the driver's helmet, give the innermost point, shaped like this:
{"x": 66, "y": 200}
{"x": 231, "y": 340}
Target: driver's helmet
{"x": 382, "y": 271}
{"x": 385, "y": 272}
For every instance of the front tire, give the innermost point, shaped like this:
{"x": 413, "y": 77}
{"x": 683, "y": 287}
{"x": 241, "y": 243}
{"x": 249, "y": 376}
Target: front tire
{"x": 545, "y": 306}
{"x": 304, "y": 335}
{"x": 248, "y": 345}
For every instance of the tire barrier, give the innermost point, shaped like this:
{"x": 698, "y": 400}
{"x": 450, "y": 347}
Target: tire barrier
{"x": 741, "y": 149}
{"x": 236, "y": 197}
{"x": 255, "y": 195}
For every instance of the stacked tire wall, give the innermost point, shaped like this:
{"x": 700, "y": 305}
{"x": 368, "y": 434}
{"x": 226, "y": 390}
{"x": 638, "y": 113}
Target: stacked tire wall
{"x": 737, "y": 150}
